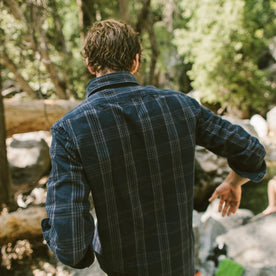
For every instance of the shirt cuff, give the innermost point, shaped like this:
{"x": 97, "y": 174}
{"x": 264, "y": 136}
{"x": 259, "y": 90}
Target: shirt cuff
{"x": 253, "y": 176}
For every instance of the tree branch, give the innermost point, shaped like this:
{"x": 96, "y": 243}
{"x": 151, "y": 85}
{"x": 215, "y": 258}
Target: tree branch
{"x": 9, "y": 64}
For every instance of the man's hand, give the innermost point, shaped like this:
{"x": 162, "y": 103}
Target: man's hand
{"x": 230, "y": 198}
{"x": 229, "y": 193}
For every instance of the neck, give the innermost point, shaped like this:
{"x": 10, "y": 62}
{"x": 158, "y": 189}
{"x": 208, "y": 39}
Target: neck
{"x": 101, "y": 73}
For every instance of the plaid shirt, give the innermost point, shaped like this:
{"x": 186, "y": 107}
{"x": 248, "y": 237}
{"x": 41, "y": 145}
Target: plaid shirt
{"x": 133, "y": 147}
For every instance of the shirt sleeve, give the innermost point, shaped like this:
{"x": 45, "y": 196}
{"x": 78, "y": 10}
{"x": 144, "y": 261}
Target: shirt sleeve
{"x": 245, "y": 154}
{"x": 69, "y": 228}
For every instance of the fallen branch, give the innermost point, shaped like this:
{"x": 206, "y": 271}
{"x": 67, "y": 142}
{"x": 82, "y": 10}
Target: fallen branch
{"x": 34, "y": 115}
{"x": 21, "y": 224}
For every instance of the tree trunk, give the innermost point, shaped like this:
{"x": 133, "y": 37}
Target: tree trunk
{"x": 87, "y": 15}
{"x": 42, "y": 48}
{"x": 124, "y": 10}
{"x": 9, "y": 64}
{"x": 168, "y": 14}
{"x": 27, "y": 116}
{"x": 59, "y": 36}
{"x": 60, "y": 85}
{"x": 154, "y": 50}
{"x": 145, "y": 22}
{"x": 60, "y": 45}
{"x": 143, "y": 16}
{"x": 15, "y": 10}
{"x": 6, "y": 197}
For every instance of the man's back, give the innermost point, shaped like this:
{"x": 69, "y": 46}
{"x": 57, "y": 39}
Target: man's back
{"x": 133, "y": 147}
{"x": 137, "y": 147}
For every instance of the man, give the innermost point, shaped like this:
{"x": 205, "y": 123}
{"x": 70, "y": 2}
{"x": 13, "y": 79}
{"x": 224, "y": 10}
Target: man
{"x": 133, "y": 148}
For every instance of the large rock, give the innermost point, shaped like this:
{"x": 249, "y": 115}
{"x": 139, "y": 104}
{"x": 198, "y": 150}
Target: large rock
{"x": 260, "y": 125}
{"x": 28, "y": 156}
{"x": 253, "y": 245}
{"x": 196, "y": 227}
{"x": 239, "y": 218}
{"x": 208, "y": 233}
{"x": 261, "y": 271}
{"x": 271, "y": 152}
{"x": 271, "y": 120}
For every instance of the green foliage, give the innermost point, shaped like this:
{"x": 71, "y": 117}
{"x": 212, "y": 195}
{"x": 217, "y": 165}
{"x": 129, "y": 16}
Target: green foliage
{"x": 224, "y": 41}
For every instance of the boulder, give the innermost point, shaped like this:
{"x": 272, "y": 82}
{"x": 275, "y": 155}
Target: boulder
{"x": 253, "y": 245}
{"x": 239, "y": 218}
{"x": 208, "y": 233}
{"x": 260, "y": 125}
{"x": 271, "y": 121}
{"x": 263, "y": 271}
{"x": 29, "y": 157}
{"x": 196, "y": 226}
{"x": 269, "y": 143}
{"x": 207, "y": 269}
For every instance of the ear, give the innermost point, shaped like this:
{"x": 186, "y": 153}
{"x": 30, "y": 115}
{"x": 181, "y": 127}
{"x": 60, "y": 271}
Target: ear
{"x": 89, "y": 67}
{"x": 135, "y": 64}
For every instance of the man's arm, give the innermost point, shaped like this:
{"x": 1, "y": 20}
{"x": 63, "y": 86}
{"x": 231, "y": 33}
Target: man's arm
{"x": 69, "y": 228}
{"x": 229, "y": 192}
{"x": 244, "y": 153}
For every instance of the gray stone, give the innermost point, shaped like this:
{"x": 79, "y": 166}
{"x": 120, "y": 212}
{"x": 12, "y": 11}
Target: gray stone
{"x": 196, "y": 226}
{"x": 208, "y": 233}
{"x": 263, "y": 271}
{"x": 197, "y": 219}
{"x": 28, "y": 156}
{"x": 207, "y": 269}
{"x": 210, "y": 162}
{"x": 271, "y": 121}
{"x": 233, "y": 221}
{"x": 253, "y": 244}
{"x": 260, "y": 125}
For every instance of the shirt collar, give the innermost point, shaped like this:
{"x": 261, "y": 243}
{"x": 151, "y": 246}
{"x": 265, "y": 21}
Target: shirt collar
{"x": 109, "y": 80}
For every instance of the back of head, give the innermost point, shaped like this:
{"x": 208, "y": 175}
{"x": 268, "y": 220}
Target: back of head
{"x": 111, "y": 45}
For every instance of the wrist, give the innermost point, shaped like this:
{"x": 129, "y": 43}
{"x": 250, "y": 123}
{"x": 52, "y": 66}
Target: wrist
{"x": 235, "y": 180}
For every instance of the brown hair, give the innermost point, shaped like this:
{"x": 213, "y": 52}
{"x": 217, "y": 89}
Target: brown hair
{"x": 110, "y": 44}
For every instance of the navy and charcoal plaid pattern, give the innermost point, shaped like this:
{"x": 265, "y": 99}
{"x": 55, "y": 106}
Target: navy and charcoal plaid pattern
{"x": 133, "y": 147}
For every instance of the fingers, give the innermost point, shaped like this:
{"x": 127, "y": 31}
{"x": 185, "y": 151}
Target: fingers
{"x": 234, "y": 207}
{"x": 229, "y": 208}
{"x": 221, "y": 201}
{"x": 225, "y": 208}
{"x": 229, "y": 199}
{"x": 214, "y": 196}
